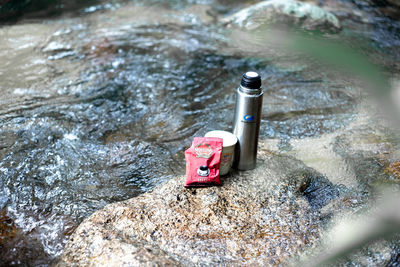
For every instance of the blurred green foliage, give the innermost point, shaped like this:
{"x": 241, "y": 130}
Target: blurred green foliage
{"x": 344, "y": 58}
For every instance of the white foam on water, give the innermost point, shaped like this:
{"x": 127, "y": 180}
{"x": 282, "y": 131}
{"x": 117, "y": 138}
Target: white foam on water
{"x": 71, "y": 137}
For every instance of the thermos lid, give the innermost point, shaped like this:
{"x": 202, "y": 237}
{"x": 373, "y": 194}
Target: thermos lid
{"x": 251, "y": 80}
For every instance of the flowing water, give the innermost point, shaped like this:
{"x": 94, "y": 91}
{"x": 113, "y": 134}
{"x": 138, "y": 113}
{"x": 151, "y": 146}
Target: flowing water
{"x": 97, "y": 105}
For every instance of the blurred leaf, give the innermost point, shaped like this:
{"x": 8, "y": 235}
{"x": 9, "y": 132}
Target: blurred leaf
{"x": 343, "y": 57}
{"x": 354, "y": 235}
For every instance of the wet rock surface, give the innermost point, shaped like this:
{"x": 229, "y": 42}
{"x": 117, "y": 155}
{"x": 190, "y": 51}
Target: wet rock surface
{"x": 254, "y": 218}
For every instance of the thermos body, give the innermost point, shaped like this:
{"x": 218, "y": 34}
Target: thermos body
{"x": 246, "y": 126}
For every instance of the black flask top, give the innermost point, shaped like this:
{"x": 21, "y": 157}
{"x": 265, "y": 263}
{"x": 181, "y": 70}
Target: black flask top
{"x": 251, "y": 80}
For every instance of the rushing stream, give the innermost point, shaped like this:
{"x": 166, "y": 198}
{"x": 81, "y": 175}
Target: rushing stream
{"x": 97, "y": 105}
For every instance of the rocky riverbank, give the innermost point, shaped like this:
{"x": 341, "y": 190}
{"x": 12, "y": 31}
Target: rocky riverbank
{"x": 98, "y": 105}
{"x": 271, "y": 215}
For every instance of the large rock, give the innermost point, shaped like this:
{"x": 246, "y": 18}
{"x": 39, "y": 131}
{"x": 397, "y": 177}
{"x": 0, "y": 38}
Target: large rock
{"x": 304, "y": 15}
{"x": 273, "y": 215}
{"x": 259, "y": 217}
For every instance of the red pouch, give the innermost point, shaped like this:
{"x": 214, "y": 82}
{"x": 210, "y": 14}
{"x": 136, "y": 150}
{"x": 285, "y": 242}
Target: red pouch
{"x": 202, "y": 162}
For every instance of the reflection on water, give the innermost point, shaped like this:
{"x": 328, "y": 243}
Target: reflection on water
{"x": 100, "y": 108}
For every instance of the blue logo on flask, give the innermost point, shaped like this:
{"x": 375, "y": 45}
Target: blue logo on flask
{"x": 248, "y": 118}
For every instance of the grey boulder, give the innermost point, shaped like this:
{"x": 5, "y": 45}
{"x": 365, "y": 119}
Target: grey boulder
{"x": 304, "y": 15}
{"x": 256, "y": 218}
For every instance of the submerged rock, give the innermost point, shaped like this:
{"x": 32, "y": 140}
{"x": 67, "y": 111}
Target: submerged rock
{"x": 256, "y": 217}
{"x": 318, "y": 190}
{"x": 304, "y": 15}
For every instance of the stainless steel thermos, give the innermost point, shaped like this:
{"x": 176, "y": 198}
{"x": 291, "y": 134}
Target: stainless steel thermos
{"x": 246, "y": 125}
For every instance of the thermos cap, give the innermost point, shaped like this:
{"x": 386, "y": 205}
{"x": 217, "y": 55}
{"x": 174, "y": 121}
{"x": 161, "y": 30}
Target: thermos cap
{"x": 251, "y": 80}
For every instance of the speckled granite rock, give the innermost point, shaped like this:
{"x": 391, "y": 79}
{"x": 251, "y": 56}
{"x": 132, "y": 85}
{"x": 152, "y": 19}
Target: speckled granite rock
{"x": 304, "y": 15}
{"x": 257, "y": 217}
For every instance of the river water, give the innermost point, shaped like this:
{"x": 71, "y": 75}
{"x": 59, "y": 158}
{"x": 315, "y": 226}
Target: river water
{"x": 98, "y": 103}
